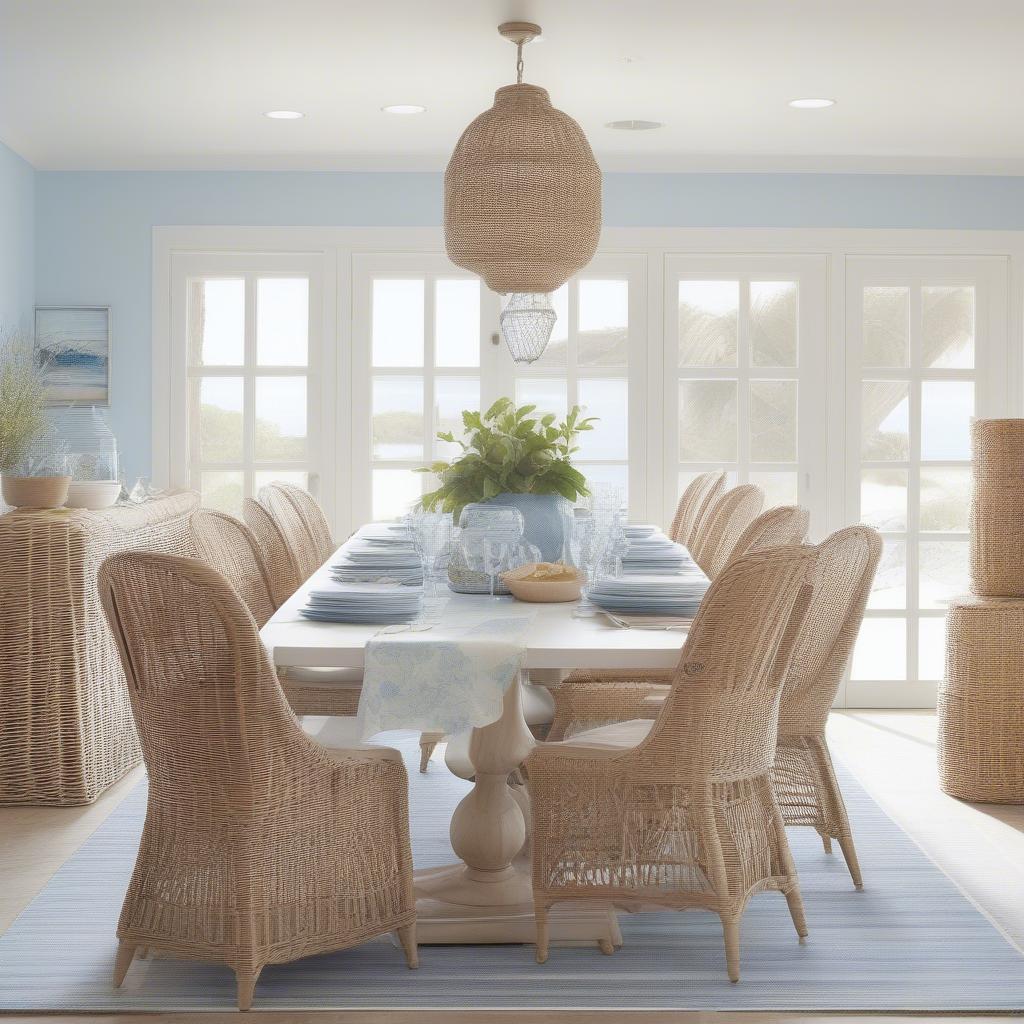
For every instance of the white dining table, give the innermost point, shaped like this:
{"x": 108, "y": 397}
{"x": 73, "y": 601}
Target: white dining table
{"x": 487, "y": 897}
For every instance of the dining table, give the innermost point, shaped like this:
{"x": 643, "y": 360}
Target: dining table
{"x": 487, "y": 896}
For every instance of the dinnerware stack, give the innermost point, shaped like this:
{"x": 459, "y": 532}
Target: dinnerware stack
{"x": 379, "y": 553}
{"x": 330, "y": 601}
{"x": 652, "y": 553}
{"x": 677, "y": 596}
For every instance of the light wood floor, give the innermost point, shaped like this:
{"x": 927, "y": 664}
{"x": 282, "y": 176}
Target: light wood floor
{"x": 980, "y": 846}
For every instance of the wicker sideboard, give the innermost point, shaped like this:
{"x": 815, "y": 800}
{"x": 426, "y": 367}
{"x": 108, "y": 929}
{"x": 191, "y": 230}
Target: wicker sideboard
{"x": 66, "y": 730}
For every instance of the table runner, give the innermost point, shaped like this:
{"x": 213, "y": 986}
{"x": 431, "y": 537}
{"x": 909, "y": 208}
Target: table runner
{"x": 448, "y": 678}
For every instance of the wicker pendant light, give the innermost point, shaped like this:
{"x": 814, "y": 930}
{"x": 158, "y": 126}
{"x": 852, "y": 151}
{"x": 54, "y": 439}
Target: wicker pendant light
{"x": 522, "y": 197}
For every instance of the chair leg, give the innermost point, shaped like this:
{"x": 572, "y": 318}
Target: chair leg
{"x": 826, "y": 842}
{"x": 246, "y": 985}
{"x": 796, "y": 911}
{"x": 407, "y": 937}
{"x": 428, "y": 741}
{"x": 731, "y": 932}
{"x": 123, "y": 960}
{"x": 540, "y": 913}
{"x": 850, "y": 853}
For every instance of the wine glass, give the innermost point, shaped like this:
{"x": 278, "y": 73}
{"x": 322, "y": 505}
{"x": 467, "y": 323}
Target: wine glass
{"x": 497, "y": 558}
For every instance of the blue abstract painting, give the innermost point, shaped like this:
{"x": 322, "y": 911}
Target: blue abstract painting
{"x": 73, "y": 347}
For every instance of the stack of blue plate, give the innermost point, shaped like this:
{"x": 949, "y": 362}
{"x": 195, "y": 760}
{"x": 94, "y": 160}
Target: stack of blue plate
{"x": 362, "y": 602}
{"x": 362, "y": 561}
{"x": 678, "y": 596}
{"x": 654, "y": 554}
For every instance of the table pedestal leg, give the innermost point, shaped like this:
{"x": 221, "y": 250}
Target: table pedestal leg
{"x": 488, "y": 897}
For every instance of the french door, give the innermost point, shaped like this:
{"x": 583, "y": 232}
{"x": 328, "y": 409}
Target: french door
{"x": 246, "y": 341}
{"x": 926, "y": 351}
{"x": 744, "y": 375}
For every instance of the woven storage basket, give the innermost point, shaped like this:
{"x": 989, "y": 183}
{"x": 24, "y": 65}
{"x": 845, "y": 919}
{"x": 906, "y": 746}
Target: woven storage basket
{"x": 997, "y": 508}
{"x": 522, "y": 195}
{"x": 981, "y": 702}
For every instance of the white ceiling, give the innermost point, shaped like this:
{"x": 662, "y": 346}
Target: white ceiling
{"x": 920, "y": 85}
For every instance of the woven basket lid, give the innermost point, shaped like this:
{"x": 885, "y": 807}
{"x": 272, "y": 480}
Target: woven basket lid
{"x": 522, "y": 195}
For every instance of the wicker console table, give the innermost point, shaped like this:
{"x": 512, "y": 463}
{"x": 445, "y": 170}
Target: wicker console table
{"x": 66, "y": 731}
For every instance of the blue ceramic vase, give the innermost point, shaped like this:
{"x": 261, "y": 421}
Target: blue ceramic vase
{"x": 544, "y": 516}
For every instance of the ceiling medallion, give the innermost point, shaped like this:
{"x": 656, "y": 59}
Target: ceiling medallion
{"x": 522, "y": 203}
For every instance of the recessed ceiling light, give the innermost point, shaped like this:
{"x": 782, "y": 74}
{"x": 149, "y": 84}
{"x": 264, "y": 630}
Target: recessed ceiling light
{"x": 634, "y": 125}
{"x": 284, "y": 115}
{"x": 404, "y": 108}
{"x": 812, "y": 104}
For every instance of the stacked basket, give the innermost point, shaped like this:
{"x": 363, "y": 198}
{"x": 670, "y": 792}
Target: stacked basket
{"x": 981, "y": 702}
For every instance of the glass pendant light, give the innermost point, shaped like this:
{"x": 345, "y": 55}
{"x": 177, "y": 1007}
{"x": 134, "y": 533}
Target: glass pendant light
{"x": 526, "y": 325}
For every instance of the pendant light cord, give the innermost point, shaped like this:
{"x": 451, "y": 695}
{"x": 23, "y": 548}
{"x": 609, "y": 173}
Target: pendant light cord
{"x": 519, "y": 62}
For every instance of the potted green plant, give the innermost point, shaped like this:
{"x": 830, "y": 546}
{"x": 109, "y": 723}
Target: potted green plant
{"x": 512, "y": 457}
{"x": 22, "y": 421}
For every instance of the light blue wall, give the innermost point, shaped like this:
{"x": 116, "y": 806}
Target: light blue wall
{"x": 94, "y": 229}
{"x": 17, "y": 240}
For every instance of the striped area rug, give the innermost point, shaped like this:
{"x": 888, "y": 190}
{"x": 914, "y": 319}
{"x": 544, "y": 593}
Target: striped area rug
{"x": 909, "y": 941}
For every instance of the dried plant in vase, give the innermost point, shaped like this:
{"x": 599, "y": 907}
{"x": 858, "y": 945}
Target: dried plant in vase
{"x": 25, "y": 483}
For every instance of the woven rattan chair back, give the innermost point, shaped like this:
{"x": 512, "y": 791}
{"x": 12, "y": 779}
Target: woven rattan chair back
{"x": 779, "y": 526}
{"x": 723, "y": 526}
{"x": 284, "y": 573}
{"x": 246, "y": 858}
{"x": 230, "y": 547}
{"x": 694, "y": 501}
{"x": 301, "y": 524}
{"x": 722, "y": 709}
{"x": 844, "y": 573}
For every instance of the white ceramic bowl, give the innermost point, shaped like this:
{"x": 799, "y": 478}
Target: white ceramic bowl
{"x": 93, "y": 494}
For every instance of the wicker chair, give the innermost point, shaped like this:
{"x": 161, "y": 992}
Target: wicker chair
{"x": 229, "y": 546}
{"x": 723, "y": 526}
{"x": 679, "y": 811}
{"x": 302, "y": 524}
{"x": 805, "y": 783}
{"x": 284, "y": 573}
{"x": 260, "y": 846}
{"x": 700, "y": 493}
{"x": 779, "y": 526}
{"x": 589, "y": 698}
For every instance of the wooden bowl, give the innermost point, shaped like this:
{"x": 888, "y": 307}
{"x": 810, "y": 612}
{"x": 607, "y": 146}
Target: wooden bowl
{"x": 543, "y": 591}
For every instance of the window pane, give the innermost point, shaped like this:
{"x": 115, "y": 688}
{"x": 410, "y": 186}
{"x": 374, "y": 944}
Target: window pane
{"x": 217, "y": 322}
{"x": 281, "y": 419}
{"x": 395, "y": 491}
{"x": 707, "y": 421}
{"x": 890, "y": 586}
{"x": 945, "y": 500}
{"x": 947, "y": 326}
{"x": 881, "y": 650}
{"x": 885, "y": 421}
{"x": 773, "y": 316}
{"x": 931, "y": 648}
{"x": 452, "y": 395}
{"x": 708, "y": 323}
{"x": 547, "y": 395}
{"x": 220, "y": 419}
{"x": 883, "y": 499}
{"x": 614, "y": 476}
{"x": 608, "y": 400}
{"x": 779, "y": 488}
{"x": 223, "y": 491}
{"x": 282, "y": 321}
{"x": 946, "y": 410}
{"x": 398, "y": 417}
{"x": 397, "y": 323}
{"x": 944, "y": 572}
{"x": 603, "y": 335}
{"x": 555, "y": 355}
{"x": 773, "y": 421}
{"x": 296, "y": 477}
{"x": 886, "y": 326}
{"x": 457, "y": 323}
